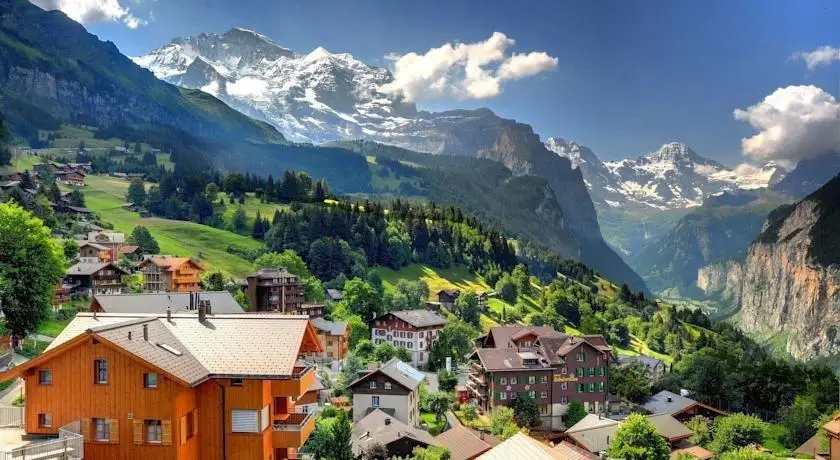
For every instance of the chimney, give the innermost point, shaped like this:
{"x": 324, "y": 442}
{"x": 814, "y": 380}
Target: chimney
{"x": 207, "y": 307}
{"x": 192, "y": 301}
{"x": 129, "y": 335}
{"x": 146, "y": 332}
{"x": 670, "y": 399}
{"x": 481, "y": 435}
{"x": 169, "y": 314}
{"x": 202, "y": 314}
{"x": 387, "y": 420}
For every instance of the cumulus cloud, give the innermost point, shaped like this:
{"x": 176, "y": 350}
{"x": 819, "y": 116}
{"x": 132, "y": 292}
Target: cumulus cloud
{"x": 823, "y": 55}
{"x": 793, "y": 123}
{"x": 463, "y": 70}
{"x": 92, "y": 11}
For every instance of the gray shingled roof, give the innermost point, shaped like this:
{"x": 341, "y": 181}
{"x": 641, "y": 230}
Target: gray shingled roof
{"x": 330, "y": 327}
{"x": 521, "y": 446}
{"x": 264, "y": 345}
{"x": 372, "y": 430}
{"x": 398, "y": 371}
{"x": 462, "y": 442}
{"x": 419, "y": 318}
{"x": 646, "y": 360}
{"x": 660, "y": 404}
{"x": 335, "y": 294}
{"x": 86, "y": 268}
{"x": 220, "y": 302}
{"x": 508, "y": 359}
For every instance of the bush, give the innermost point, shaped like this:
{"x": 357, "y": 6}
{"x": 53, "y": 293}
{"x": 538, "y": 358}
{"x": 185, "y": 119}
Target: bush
{"x": 737, "y": 430}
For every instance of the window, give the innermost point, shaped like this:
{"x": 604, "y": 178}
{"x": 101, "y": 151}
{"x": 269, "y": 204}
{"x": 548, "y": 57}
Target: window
{"x": 564, "y": 400}
{"x": 421, "y": 334}
{"x": 532, "y": 380}
{"x": 150, "y": 380}
{"x": 102, "y": 432}
{"x": 543, "y": 394}
{"x": 191, "y": 422}
{"x": 100, "y": 371}
{"x": 532, "y": 394}
{"x": 329, "y": 343}
{"x": 237, "y": 382}
{"x": 580, "y": 388}
{"x": 154, "y": 431}
{"x": 45, "y": 377}
{"x": 564, "y": 386}
{"x": 374, "y": 401}
{"x": 580, "y": 356}
{"x": 245, "y": 421}
{"x": 513, "y": 395}
{"x": 564, "y": 370}
{"x": 513, "y": 380}
{"x": 410, "y": 345}
{"x": 579, "y": 372}
{"x": 387, "y": 385}
{"x": 502, "y": 396}
{"x": 372, "y": 384}
{"x": 44, "y": 420}
{"x": 502, "y": 380}
{"x": 544, "y": 379}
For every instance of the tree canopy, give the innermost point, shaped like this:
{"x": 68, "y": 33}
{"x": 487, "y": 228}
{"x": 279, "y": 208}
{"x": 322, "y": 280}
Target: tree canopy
{"x": 637, "y": 439}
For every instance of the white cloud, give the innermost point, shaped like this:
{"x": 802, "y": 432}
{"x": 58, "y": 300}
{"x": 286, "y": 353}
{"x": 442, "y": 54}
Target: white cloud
{"x": 246, "y": 87}
{"x": 92, "y": 11}
{"x": 823, "y": 55}
{"x": 793, "y": 123}
{"x": 463, "y": 70}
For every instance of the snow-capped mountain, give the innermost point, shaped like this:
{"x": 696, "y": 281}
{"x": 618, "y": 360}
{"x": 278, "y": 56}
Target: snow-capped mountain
{"x": 314, "y": 97}
{"x": 672, "y": 177}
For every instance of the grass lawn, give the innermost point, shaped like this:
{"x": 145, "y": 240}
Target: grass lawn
{"x": 430, "y": 424}
{"x": 104, "y": 195}
{"x": 52, "y": 327}
{"x": 773, "y": 440}
{"x": 481, "y": 422}
{"x": 251, "y": 206}
{"x": 436, "y": 278}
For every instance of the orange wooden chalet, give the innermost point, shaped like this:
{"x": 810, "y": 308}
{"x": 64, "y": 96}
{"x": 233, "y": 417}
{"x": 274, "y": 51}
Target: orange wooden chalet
{"x": 180, "y": 387}
{"x": 170, "y": 274}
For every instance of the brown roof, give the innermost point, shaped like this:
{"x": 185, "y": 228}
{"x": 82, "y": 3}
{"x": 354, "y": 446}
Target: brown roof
{"x": 501, "y": 335}
{"x": 573, "y": 452}
{"x": 669, "y": 428}
{"x": 129, "y": 249}
{"x": 462, "y": 443}
{"x": 373, "y": 429}
{"x": 168, "y": 262}
{"x": 243, "y": 346}
{"x": 521, "y": 447}
{"x": 811, "y": 446}
{"x": 686, "y": 447}
{"x": 418, "y": 318}
{"x": 402, "y": 373}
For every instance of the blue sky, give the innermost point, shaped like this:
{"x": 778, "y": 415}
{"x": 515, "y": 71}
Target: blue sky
{"x": 630, "y": 75}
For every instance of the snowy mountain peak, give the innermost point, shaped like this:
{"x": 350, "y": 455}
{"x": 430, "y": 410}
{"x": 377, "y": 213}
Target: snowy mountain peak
{"x": 673, "y": 176}
{"x": 318, "y": 54}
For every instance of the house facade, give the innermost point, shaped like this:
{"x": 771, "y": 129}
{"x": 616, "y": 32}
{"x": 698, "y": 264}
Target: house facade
{"x": 447, "y": 297}
{"x": 334, "y": 337}
{"x": 393, "y": 388}
{"x": 170, "y": 274}
{"x": 94, "y": 278}
{"x": 277, "y": 290}
{"x": 152, "y": 387}
{"x": 88, "y": 250}
{"x": 113, "y": 241}
{"x": 414, "y": 330}
{"x": 553, "y": 368}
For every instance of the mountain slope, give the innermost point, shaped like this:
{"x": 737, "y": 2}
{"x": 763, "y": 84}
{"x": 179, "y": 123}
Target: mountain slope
{"x": 791, "y": 275}
{"x": 809, "y": 175}
{"x": 723, "y": 226}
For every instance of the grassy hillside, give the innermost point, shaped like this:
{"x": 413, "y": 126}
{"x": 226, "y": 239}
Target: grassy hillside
{"x": 104, "y": 195}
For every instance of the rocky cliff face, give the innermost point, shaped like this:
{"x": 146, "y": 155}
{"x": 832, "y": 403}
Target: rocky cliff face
{"x": 789, "y": 280}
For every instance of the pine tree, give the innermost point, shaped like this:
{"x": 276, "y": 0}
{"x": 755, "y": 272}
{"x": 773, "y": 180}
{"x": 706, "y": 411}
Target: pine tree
{"x": 259, "y": 230}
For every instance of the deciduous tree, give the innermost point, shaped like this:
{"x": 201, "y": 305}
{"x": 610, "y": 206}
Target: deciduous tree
{"x": 637, "y": 439}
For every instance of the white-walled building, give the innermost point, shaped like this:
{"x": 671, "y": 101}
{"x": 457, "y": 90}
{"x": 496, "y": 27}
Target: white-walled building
{"x": 413, "y": 330}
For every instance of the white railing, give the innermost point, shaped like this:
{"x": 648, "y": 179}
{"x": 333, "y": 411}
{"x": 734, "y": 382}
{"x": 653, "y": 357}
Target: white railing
{"x": 11, "y": 417}
{"x": 70, "y": 445}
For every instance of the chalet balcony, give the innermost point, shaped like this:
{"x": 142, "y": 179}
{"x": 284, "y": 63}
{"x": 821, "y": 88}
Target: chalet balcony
{"x": 478, "y": 378}
{"x": 478, "y": 391}
{"x": 292, "y": 430}
{"x": 14, "y": 445}
{"x": 476, "y": 367}
{"x": 302, "y": 379}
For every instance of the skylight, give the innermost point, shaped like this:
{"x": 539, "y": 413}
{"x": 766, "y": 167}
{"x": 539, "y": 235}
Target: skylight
{"x": 170, "y": 349}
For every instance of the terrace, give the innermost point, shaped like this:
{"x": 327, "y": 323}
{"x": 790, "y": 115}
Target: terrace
{"x": 15, "y": 445}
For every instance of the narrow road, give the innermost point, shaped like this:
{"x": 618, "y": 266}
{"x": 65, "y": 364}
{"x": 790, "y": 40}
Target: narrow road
{"x": 452, "y": 419}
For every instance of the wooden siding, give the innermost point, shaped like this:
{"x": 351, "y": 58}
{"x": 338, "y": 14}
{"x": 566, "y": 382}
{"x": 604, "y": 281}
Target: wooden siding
{"x": 73, "y": 396}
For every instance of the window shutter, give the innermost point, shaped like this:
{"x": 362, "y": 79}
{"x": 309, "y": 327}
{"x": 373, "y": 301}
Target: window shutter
{"x": 138, "y": 431}
{"x": 166, "y": 432}
{"x": 86, "y": 429}
{"x": 183, "y": 431}
{"x": 245, "y": 421}
{"x": 114, "y": 430}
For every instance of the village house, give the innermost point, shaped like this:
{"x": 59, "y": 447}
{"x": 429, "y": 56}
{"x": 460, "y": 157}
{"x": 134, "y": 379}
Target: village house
{"x": 655, "y": 367}
{"x": 96, "y": 251}
{"x": 133, "y": 253}
{"x": 170, "y": 274}
{"x": 593, "y": 434}
{"x": 447, "y": 297}
{"x": 381, "y": 429}
{"x": 185, "y": 386}
{"x": 679, "y": 406}
{"x": 483, "y": 298}
{"x": 521, "y": 446}
{"x": 414, "y": 330}
{"x": 393, "y": 388}
{"x": 335, "y": 295}
{"x": 832, "y": 431}
{"x": 214, "y": 302}
{"x": 334, "y": 337}
{"x": 272, "y": 289}
{"x": 72, "y": 178}
{"x": 91, "y": 277}
{"x": 112, "y": 240}
{"x": 464, "y": 443}
{"x": 553, "y": 368}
